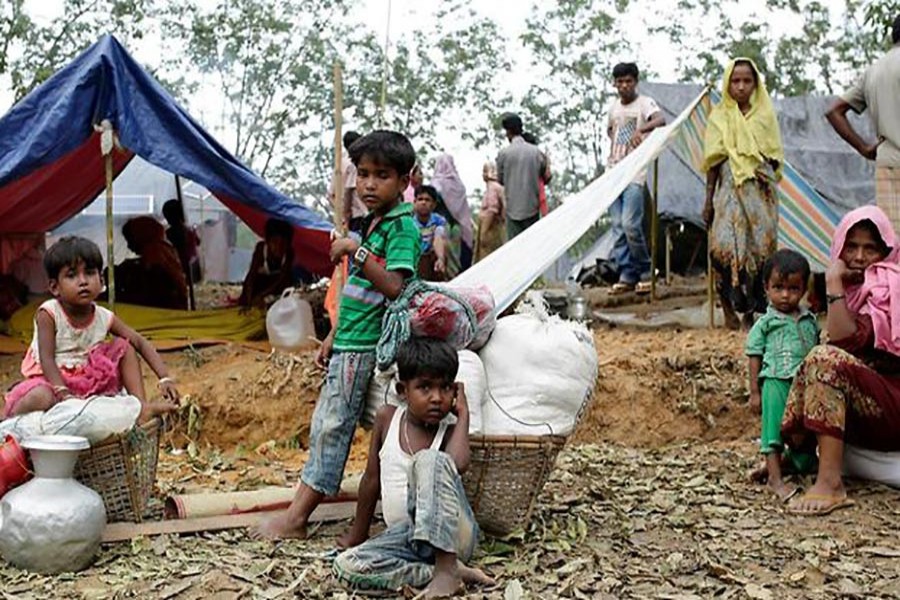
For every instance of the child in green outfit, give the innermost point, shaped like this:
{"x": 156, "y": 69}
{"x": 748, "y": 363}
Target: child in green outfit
{"x": 776, "y": 345}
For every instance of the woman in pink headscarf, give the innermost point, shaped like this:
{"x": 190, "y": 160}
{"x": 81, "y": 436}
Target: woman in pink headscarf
{"x": 849, "y": 390}
{"x": 446, "y": 180}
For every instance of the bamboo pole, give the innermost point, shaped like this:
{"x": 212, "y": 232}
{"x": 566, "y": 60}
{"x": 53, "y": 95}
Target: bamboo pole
{"x": 107, "y": 144}
{"x": 710, "y": 282}
{"x": 385, "y": 67}
{"x": 668, "y": 256}
{"x": 186, "y": 267}
{"x": 338, "y": 199}
{"x": 110, "y": 233}
{"x": 654, "y": 225}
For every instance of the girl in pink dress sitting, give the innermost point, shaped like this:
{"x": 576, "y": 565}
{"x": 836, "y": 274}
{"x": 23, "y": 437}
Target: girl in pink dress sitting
{"x": 69, "y": 355}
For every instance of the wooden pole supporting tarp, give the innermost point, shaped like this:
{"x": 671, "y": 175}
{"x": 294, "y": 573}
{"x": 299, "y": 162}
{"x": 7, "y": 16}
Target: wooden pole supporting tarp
{"x": 668, "y": 255}
{"x": 107, "y": 142}
{"x": 654, "y": 225}
{"x": 192, "y": 305}
{"x": 337, "y": 201}
{"x": 382, "y": 106}
{"x": 710, "y": 282}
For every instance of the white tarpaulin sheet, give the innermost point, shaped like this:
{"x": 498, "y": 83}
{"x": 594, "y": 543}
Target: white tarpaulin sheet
{"x": 511, "y": 269}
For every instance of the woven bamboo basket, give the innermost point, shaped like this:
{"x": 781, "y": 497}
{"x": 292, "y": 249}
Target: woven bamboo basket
{"x": 505, "y": 476}
{"x": 122, "y": 469}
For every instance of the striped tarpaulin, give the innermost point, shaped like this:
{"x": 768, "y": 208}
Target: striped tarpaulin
{"x": 805, "y": 222}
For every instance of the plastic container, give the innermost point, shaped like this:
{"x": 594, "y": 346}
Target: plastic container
{"x": 13, "y": 465}
{"x": 289, "y": 322}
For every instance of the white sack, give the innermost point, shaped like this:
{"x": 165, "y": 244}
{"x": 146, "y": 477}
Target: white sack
{"x": 540, "y": 371}
{"x": 383, "y": 390}
{"x": 883, "y": 467}
{"x": 96, "y": 418}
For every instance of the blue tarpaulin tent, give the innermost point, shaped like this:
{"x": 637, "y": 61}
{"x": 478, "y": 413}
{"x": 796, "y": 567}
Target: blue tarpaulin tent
{"x": 51, "y": 165}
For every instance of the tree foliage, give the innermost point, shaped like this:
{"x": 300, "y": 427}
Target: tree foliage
{"x": 32, "y": 51}
{"x": 573, "y": 45}
{"x": 258, "y": 72}
{"x": 442, "y": 80}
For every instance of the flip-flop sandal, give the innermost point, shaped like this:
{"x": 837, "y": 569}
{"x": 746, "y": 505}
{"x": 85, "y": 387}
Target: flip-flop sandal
{"x": 644, "y": 287}
{"x": 787, "y": 497}
{"x": 836, "y": 503}
{"x": 622, "y": 288}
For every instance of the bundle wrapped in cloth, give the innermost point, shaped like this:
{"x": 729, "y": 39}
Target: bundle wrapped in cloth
{"x": 541, "y": 372}
{"x": 95, "y": 418}
{"x": 464, "y": 317}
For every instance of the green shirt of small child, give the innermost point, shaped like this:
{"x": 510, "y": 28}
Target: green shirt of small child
{"x": 776, "y": 346}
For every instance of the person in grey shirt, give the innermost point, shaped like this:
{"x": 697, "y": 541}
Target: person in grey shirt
{"x": 519, "y": 168}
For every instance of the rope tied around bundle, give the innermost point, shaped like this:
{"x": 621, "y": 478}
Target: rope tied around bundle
{"x": 396, "y": 324}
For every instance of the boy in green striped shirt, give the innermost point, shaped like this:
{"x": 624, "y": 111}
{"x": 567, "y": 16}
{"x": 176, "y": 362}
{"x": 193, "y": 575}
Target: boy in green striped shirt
{"x": 381, "y": 263}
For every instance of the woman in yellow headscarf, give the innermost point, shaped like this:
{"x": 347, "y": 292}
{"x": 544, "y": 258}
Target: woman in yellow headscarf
{"x": 742, "y": 158}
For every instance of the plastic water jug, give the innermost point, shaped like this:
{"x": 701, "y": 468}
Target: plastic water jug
{"x": 289, "y": 322}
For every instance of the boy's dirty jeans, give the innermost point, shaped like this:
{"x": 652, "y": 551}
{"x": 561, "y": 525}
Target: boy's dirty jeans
{"x": 630, "y": 250}
{"x": 440, "y": 517}
{"x": 337, "y": 412}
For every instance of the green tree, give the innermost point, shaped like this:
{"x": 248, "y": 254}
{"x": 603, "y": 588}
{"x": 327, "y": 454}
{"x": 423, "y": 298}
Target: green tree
{"x": 442, "y": 81}
{"x": 573, "y": 45}
{"x": 270, "y": 65}
{"x": 32, "y": 52}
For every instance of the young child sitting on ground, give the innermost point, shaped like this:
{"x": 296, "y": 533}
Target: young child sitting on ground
{"x": 433, "y": 229}
{"x": 380, "y": 266}
{"x": 271, "y": 270}
{"x": 776, "y": 345}
{"x": 69, "y": 355}
{"x": 414, "y": 466}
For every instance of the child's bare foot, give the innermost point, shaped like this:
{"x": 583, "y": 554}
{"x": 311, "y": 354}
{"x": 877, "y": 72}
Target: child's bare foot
{"x": 279, "y": 527}
{"x": 444, "y": 584}
{"x": 149, "y": 410}
{"x": 760, "y": 474}
{"x": 474, "y": 576}
{"x": 784, "y": 491}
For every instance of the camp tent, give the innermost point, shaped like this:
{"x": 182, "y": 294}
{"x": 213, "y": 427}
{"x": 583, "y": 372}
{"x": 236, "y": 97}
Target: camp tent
{"x": 838, "y": 178}
{"x": 51, "y": 165}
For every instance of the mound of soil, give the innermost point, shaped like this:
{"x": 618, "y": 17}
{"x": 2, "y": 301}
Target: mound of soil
{"x": 660, "y": 387}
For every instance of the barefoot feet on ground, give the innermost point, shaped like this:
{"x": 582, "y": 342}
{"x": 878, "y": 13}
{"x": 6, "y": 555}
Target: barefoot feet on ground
{"x": 279, "y": 527}
{"x": 474, "y": 576}
{"x": 760, "y": 474}
{"x": 445, "y": 584}
{"x": 783, "y": 491}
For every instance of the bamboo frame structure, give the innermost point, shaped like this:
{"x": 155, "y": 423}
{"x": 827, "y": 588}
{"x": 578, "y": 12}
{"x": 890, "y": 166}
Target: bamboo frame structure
{"x": 338, "y": 199}
{"x": 654, "y": 224}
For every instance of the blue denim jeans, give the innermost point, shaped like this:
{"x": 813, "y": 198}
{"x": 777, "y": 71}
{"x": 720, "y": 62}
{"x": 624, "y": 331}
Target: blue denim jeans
{"x": 334, "y": 420}
{"x": 439, "y": 518}
{"x": 630, "y": 250}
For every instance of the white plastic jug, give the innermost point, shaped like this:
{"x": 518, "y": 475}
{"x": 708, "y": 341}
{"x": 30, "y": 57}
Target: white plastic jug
{"x": 289, "y": 322}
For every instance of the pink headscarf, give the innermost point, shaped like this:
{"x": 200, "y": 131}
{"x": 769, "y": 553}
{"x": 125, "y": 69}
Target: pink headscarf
{"x": 879, "y": 294}
{"x": 447, "y": 181}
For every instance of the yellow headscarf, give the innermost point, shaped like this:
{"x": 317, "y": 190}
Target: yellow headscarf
{"x": 747, "y": 141}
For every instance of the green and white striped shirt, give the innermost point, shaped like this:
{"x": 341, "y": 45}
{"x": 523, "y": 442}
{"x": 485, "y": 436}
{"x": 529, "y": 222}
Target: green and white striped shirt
{"x": 396, "y": 245}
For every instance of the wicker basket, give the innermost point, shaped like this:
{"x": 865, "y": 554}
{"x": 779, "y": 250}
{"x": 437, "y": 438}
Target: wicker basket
{"x": 122, "y": 469}
{"x": 506, "y": 474}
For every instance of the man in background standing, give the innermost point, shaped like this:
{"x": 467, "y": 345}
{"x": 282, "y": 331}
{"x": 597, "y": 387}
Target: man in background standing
{"x": 878, "y": 90}
{"x": 519, "y": 168}
{"x": 631, "y": 118}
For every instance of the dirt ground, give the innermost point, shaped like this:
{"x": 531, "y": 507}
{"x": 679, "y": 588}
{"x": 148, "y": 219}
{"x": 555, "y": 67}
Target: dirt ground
{"x": 649, "y": 500}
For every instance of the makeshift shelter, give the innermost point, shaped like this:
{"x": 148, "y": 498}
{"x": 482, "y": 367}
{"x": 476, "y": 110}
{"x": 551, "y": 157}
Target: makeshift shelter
{"x": 826, "y": 177}
{"x": 51, "y": 164}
